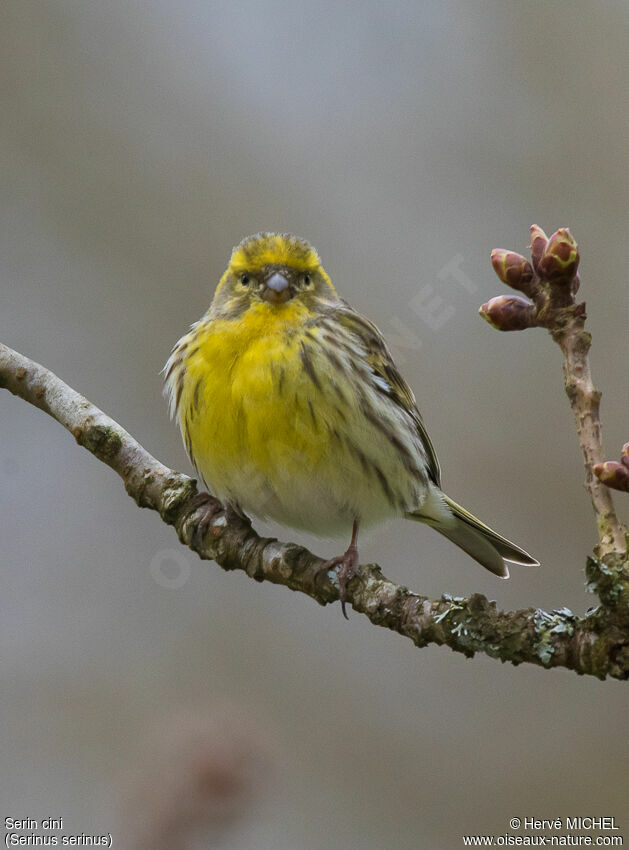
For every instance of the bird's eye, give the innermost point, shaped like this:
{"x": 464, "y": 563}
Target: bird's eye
{"x": 244, "y": 279}
{"x": 307, "y": 280}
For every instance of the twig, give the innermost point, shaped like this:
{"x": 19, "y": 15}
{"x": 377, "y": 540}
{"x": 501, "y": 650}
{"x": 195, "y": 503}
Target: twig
{"x": 597, "y": 644}
{"x": 550, "y": 283}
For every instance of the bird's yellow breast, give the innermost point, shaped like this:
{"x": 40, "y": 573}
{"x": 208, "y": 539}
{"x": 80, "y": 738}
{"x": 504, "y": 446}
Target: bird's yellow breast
{"x": 248, "y": 406}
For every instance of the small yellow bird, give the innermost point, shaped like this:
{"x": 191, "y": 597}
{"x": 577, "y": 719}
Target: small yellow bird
{"x": 291, "y": 407}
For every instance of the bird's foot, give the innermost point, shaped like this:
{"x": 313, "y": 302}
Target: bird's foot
{"x": 350, "y": 568}
{"x": 234, "y": 511}
{"x": 208, "y": 507}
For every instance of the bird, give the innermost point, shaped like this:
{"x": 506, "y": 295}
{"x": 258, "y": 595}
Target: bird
{"x": 291, "y": 408}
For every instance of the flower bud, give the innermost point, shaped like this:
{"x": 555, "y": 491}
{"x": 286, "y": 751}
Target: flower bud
{"x": 560, "y": 260}
{"x": 624, "y": 455}
{"x": 508, "y": 313}
{"x": 539, "y": 240}
{"x": 613, "y": 474}
{"x": 513, "y": 269}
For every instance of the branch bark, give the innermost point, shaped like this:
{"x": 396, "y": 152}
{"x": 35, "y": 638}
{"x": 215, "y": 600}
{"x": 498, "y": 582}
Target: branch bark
{"x": 575, "y": 343}
{"x": 597, "y": 644}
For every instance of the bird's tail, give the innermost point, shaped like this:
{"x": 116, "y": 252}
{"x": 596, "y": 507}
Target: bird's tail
{"x": 470, "y": 534}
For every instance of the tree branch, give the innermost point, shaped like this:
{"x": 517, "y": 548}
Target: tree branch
{"x": 550, "y": 282}
{"x": 597, "y": 644}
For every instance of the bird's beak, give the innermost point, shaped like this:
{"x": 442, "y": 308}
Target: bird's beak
{"x": 277, "y": 289}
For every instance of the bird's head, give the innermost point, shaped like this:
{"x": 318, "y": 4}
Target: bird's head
{"x": 272, "y": 269}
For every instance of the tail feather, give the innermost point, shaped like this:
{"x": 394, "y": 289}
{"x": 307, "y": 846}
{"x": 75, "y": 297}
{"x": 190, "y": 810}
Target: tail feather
{"x": 481, "y": 542}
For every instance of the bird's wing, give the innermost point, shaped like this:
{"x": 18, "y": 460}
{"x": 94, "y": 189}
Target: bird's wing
{"x": 381, "y": 362}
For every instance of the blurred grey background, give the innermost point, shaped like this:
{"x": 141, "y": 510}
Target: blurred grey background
{"x": 145, "y": 690}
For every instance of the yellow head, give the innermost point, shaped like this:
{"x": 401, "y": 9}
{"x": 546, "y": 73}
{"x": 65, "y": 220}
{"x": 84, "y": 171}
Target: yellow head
{"x": 272, "y": 269}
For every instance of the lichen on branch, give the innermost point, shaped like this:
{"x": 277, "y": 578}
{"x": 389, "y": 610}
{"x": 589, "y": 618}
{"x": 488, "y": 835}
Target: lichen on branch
{"x": 597, "y": 644}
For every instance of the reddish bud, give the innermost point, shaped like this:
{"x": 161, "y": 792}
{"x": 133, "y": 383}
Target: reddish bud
{"x": 513, "y": 269}
{"x": 613, "y": 474}
{"x": 560, "y": 260}
{"x": 508, "y": 313}
{"x": 539, "y": 241}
